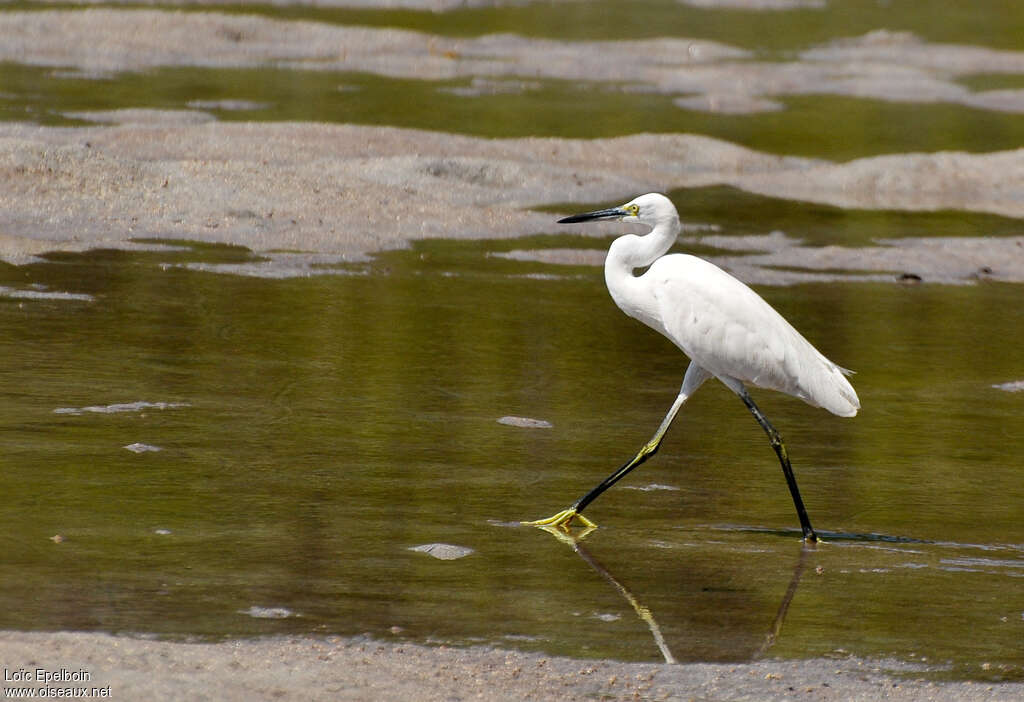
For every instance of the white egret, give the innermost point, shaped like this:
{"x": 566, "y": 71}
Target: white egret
{"x": 726, "y": 329}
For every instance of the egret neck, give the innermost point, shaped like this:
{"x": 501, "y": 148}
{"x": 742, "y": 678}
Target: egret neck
{"x": 629, "y": 252}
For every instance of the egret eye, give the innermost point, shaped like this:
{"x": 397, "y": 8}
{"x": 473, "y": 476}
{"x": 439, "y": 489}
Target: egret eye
{"x": 633, "y": 210}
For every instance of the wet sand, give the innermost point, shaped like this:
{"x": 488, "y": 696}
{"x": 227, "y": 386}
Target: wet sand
{"x": 360, "y": 669}
{"x": 709, "y": 75}
{"x": 316, "y": 193}
{"x": 341, "y": 192}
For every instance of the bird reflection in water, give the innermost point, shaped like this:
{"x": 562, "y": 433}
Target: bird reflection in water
{"x": 574, "y": 541}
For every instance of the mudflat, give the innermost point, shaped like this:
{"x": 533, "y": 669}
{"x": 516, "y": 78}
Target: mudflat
{"x": 360, "y": 669}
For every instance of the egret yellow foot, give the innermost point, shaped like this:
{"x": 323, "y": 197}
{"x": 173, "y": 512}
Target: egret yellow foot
{"x": 563, "y": 519}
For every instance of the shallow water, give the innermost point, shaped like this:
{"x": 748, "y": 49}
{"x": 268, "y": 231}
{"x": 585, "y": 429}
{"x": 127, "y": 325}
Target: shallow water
{"x": 312, "y": 432}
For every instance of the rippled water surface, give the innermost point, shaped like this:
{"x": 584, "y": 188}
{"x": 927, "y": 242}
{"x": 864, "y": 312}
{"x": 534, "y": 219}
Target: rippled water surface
{"x": 312, "y": 432}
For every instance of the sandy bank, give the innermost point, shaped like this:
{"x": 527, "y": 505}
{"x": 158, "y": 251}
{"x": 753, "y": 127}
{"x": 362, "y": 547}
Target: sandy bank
{"x": 338, "y": 192}
{"x": 356, "y": 669}
{"x": 702, "y": 74}
{"x": 342, "y": 191}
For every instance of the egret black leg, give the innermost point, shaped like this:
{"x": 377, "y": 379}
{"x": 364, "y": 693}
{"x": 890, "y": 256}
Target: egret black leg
{"x": 694, "y": 378}
{"x": 787, "y": 469}
{"x": 648, "y": 450}
{"x": 566, "y": 516}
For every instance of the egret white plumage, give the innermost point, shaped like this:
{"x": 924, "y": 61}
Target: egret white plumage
{"x": 727, "y": 330}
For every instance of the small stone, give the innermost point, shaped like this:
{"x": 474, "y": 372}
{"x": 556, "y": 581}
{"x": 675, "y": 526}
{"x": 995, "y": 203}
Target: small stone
{"x": 525, "y": 422}
{"x": 444, "y": 552}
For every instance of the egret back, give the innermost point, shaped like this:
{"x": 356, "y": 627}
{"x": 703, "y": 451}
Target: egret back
{"x": 730, "y": 331}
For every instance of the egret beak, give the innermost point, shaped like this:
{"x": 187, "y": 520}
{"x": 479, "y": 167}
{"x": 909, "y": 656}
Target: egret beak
{"x": 610, "y": 213}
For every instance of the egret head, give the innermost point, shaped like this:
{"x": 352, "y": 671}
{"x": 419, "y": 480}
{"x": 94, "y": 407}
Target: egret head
{"x": 650, "y": 209}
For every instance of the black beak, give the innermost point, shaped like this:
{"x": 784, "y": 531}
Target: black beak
{"x": 610, "y": 213}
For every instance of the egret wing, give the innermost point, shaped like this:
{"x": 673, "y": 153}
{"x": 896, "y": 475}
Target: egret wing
{"x": 727, "y": 328}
